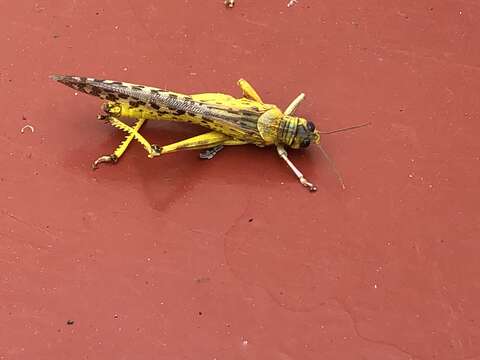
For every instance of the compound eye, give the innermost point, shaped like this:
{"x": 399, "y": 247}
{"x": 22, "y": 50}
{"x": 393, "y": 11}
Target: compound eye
{"x": 310, "y": 126}
{"x": 305, "y": 143}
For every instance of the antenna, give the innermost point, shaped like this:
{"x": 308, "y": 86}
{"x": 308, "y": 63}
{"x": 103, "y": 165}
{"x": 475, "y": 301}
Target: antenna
{"x": 332, "y": 165}
{"x": 325, "y": 155}
{"x": 344, "y": 129}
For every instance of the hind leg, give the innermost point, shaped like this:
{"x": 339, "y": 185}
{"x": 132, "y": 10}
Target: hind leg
{"x": 208, "y": 141}
{"x": 112, "y": 112}
{"x": 132, "y": 133}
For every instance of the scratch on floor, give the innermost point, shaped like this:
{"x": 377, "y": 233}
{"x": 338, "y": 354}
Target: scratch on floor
{"x": 431, "y": 58}
{"x": 30, "y": 225}
{"x": 254, "y": 22}
{"x": 11, "y": 142}
{"x": 378, "y": 342}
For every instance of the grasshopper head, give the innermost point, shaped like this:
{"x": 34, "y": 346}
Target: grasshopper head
{"x": 305, "y": 133}
{"x": 299, "y": 132}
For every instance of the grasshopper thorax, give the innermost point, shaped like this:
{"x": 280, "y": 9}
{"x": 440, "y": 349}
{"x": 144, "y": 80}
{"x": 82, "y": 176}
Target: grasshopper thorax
{"x": 298, "y": 132}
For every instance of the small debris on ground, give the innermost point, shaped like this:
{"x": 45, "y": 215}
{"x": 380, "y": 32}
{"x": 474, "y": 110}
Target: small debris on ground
{"x": 201, "y": 280}
{"x": 229, "y": 3}
{"x": 292, "y": 2}
{"x": 22, "y": 130}
{"x": 70, "y": 322}
{"x": 39, "y": 8}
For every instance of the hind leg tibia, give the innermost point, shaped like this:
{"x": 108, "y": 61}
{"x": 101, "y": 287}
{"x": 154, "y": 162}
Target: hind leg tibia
{"x": 132, "y": 133}
{"x": 200, "y": 142}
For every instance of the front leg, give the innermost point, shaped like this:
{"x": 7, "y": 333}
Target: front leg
{"x": 283, "y": 154}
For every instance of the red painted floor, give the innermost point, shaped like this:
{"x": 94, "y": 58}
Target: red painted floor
{"x": 178, "y": 258}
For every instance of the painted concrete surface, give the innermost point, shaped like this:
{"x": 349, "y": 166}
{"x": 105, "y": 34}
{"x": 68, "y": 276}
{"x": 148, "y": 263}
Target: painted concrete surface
{"x": 178, "y": 258}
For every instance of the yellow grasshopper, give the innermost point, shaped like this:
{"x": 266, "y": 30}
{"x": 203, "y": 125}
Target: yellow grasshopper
{"x": 247, "y": 120}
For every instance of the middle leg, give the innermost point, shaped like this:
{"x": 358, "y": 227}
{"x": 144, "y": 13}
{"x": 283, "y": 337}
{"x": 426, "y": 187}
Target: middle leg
{"x": 208, "y": 154}
{"x": 248, "y": 91}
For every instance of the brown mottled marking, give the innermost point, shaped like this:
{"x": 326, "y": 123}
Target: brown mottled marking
{"x": 95, "y": 91}
{"x": 246, "y": 112}
{"x": 136, "y": 103}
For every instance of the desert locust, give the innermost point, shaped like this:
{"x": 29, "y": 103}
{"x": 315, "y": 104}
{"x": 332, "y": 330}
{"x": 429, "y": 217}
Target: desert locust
{"x": 231, "y": 121}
